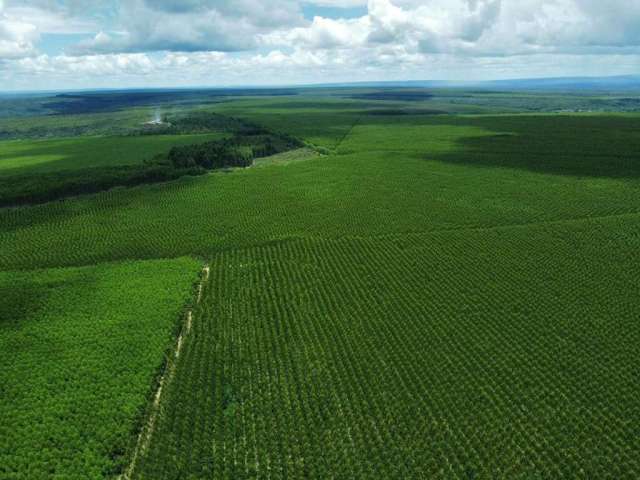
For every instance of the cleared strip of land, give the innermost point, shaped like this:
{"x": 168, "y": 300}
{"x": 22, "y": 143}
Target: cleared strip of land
{"x": 146, "y": 433}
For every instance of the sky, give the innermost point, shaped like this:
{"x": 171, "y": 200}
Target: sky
{"x": 72, "y": 44}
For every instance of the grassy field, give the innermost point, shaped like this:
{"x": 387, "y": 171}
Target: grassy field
{"x": 22, "y": 157}
{"x": 423, "y": 296}
{"x": 83, "y": 347}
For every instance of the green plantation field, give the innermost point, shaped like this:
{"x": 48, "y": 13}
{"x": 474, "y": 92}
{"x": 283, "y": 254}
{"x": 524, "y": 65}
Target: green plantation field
{"x": 410, "y": 294}
{"x": 489, "y": 353}
{"x": 38, "y": 171}
{"x": 82, "y": 348}
{"x": 22, "y": 157}
{"x": 432, "y": 177}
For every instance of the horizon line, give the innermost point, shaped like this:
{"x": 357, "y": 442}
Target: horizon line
{"x": 435, "y": 82}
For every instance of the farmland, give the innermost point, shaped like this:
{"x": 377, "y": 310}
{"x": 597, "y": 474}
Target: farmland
{"x": 44, "y": 156}
{"x": 441, "y": 174}
{"x": 429, "y": 285}
{"x": 400, "y": 358}
{"x": 83, "y": 346}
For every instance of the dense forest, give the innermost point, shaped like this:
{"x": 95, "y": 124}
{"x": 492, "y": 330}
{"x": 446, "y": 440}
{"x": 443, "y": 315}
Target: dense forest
{"x": 239, "y": 151}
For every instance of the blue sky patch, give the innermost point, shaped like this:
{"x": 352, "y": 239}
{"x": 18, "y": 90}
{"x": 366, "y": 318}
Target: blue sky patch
{"x": 60, "y": 43}
{"x": 311, "y": 11}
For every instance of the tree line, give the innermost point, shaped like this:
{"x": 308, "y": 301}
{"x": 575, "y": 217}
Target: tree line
{"x": 249, "y": 141}
{"x": 239, "y": 151}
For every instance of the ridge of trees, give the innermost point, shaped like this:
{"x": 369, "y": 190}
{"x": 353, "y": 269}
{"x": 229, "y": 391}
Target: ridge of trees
{"x": 238, "y": 151}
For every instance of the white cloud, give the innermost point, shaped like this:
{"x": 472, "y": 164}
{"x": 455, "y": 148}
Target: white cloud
{"x": 322, "y": 33}
{"x": 17, "y": 37}
{"x": 338, "y": 3}
{"x": 88, "y": 66}
{"x": 171, "y": 41}
{"x": 23, "y": 23}
{"x": 478, "y": 27}
{"x": 194, "y": 25}
{"x": 48, "y": 20}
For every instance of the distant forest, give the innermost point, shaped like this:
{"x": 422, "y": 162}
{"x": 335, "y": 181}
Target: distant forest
{"x": 94, "y": 102}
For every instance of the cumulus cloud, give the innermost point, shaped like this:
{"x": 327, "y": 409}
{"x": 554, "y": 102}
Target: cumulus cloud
{"x": 321, "y": 33}
{"x": 88, "y": 66}
{"x": 229, "y": 40}
{"x": 17, "y": 37}
{"x": 478, "y": 27}
{"x": 22, "y": 24}
{"x": 471, "y": 27}
{"x": 193, "y": 25}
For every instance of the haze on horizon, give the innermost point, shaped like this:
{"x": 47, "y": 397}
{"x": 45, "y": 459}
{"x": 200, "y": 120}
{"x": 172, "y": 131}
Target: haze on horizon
{"x": 69, "y": 44}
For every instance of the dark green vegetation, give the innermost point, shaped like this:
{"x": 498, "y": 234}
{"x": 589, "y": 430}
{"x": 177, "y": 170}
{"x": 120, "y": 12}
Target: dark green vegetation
{"x": 190, "y": 122}
{"x": 57, "y": 126}
{"x": 441, "y": 355}
{"x": 33, "y": 189}
{"x": 390, "y": 176}
{"x": 239, "y": 151}
{"x": 38, "y": 171}
{"x": 33, "y": 157}
{"x": 82, "y": 347}
{"x": 438, "y": 296}
{"x": 394, "y": 94}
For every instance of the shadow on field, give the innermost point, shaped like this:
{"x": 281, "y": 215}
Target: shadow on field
{"x": 583, "y": 146}
{"x": 44, "y": 156}
{"x": 15, "y": 301}
{"x": 21, "y": 299}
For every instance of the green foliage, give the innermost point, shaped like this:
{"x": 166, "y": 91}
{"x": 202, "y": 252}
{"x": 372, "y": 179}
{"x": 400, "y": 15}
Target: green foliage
{"x": 82, "y": 347}
{"x": 211, "y": 155}
{"x": 437, "y": 297}
{"x": 86, "y": 165}
{"x": 53, "y": 126}
{"x": 406, "y": 183}
{"x": 44, "y": 156}
{"x": 29, "y": 189}
{"x": 249, "y": 143}
{"x": 91, "y": 164}
{"x": 194, "y": 122}
{"x": 507, "y": 352}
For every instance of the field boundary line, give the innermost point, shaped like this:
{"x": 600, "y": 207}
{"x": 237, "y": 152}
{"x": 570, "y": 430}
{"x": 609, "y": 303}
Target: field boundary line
{"x": 346, "y": 135}
{"x": 294, "y": 237}
{"x": 146, "y": 433}
{"x": 391, "y": 236}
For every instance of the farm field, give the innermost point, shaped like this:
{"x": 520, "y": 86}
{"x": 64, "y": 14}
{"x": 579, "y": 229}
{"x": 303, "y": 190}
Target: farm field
{"x": 22, "y": 157}
{"x": 424, "y": 175}
{"x": 442, "y": 355}
{"x": 420, "y": 289}
{"x": 83, "y": 347}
